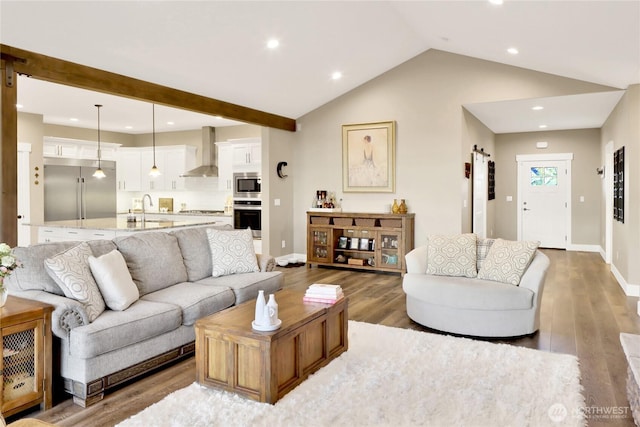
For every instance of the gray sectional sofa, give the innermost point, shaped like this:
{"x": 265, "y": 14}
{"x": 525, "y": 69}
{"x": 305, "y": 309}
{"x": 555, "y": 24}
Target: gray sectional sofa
{"x": 173, "y": 274}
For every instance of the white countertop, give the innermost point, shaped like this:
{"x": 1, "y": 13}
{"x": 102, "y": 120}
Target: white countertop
{"x": 121, "y": 224}
{"x": 185, "y": 213}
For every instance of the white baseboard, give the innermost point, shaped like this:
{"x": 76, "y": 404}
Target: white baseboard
{"x": 289, "y": 257}
{"x": 602, "y": 254}
{"x": 584, "y": 248}
{"x": 630, "y": 289}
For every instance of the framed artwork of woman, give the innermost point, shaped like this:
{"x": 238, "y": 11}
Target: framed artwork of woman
{"x": 368, "y": 157}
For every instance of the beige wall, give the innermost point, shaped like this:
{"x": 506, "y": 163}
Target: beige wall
{"x": 31, "y": 131}
{"x": 425, "y": 97}
{"x": 277, "y": 220}
{"x": 585, "y": 146}
{"x": 242, "y": 131}
{"x": 88, "y": 134}
{"x": 623, "y": 128}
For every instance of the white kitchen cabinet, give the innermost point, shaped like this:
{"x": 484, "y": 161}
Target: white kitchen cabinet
{"x": 128, "y": 169}
{"x": 64, "y": 234}
{"x": 59, "y": 149}
{"x": 108, "y": 151}
{"x": 225, "y": 166}
{"x": 77, "y": 149}
{"x": 176, "y": 162}
{"x": 148, "y": 182}
{"x": 134, "y": 165}
{"x": 247, "y": 154}
{"x": 172, "y": 161}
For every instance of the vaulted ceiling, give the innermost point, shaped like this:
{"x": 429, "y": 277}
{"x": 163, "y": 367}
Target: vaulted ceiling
{"x": 219, "y": 49}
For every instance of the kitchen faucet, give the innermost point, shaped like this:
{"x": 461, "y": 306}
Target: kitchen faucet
{"x": 150, "y": 205}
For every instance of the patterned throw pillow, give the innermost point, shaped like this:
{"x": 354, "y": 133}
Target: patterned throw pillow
{"x": 70, "y": 270}
{"x": 232, "y": 252}
{"x": 507, "y": 261}
{"x": 482, "y": 249}
{"x": 452, "y": 255}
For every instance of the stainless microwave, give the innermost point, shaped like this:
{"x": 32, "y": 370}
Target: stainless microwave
{"x": 247, "y": 185}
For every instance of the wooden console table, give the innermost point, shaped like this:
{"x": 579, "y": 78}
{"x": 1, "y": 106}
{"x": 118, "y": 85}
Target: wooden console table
{"x": 26, "y": 350}
{"x": 366, "y": 241}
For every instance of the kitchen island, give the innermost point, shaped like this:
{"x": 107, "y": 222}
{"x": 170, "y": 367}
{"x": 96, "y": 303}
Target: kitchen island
{"x": 108, "y": 228}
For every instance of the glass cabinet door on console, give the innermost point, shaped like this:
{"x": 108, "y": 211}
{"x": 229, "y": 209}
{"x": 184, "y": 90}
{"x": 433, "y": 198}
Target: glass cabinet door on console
{"x": 389, "y": 250}
{"x": 320, "y": 248}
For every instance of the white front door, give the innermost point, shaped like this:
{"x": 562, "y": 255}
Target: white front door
{"x": 543, "y": 202}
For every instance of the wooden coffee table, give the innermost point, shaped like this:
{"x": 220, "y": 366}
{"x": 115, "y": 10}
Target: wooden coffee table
{"x": 265, "y": 366}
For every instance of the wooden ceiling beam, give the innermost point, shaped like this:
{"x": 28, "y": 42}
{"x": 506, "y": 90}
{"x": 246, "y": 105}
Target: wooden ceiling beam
{"x": 56, "y": 70}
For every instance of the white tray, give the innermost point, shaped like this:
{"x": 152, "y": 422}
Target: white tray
{"x": 266, "y": 328}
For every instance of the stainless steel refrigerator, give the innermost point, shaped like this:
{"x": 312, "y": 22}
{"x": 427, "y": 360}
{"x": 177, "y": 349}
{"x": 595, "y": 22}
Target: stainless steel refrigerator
{"x": 71, "y": 192}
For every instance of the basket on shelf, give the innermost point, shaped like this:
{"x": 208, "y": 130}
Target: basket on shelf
{"x": 322, "y": 220}
{"x": 365, "y": 222}
{"x": 391, "y": 223}
{"x": 343, "y": 222}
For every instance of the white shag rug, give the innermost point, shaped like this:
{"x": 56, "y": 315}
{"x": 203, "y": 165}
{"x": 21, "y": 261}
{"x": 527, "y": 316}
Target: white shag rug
{"x": 400, "y": 377}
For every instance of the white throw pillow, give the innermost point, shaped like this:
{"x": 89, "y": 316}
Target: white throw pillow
{"x": 453, "y": 255}
{"x": 507, "y": 261}
{"x": 70, "y": 270}
{"x": 114, "y": 280}
{"x": 232, "y": 252}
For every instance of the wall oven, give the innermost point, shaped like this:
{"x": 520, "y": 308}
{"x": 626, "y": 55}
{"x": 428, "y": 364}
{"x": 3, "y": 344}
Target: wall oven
{"x": 248, "y": 214}
{"x": 247, "y": 204}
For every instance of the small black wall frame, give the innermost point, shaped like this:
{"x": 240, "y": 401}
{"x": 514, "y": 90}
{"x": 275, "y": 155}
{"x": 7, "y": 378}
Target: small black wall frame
{"x": 618, "y": 185}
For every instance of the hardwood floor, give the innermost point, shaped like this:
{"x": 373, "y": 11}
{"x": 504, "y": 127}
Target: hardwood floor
{"x": 583, "y": 311}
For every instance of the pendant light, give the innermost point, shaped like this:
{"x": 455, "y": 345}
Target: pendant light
{"x": 99, "y": 173}
{"x": 154, "y": 170}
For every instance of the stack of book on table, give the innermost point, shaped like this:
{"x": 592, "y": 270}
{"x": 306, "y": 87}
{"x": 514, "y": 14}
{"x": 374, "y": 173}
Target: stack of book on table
{"x": 321, "y": 292}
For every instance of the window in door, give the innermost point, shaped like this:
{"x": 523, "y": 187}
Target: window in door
{"x": 544, "y": 176}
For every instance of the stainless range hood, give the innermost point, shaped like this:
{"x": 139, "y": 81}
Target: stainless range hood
{"x": 209, "y": 166}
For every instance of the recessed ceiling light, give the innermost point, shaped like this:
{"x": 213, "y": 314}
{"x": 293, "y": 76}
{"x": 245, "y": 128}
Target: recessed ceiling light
{"x": 542, "y": 126}
{"x": 73, "y": 119}
{"x": 537, "y": 108}
{"x": 496, "y": 2}
{"x": 18, "y": 106}
{"x": 170, "y": 123}
{"x": 128, "y": 127}
{"x": 336, "y": 75}
{"x": 218, "y": 117}
{"x": 273, "y": 43}
{"x": 513, "y": 51}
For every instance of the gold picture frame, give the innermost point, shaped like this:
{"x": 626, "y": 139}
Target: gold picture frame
{"x": 369, "y": 157}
